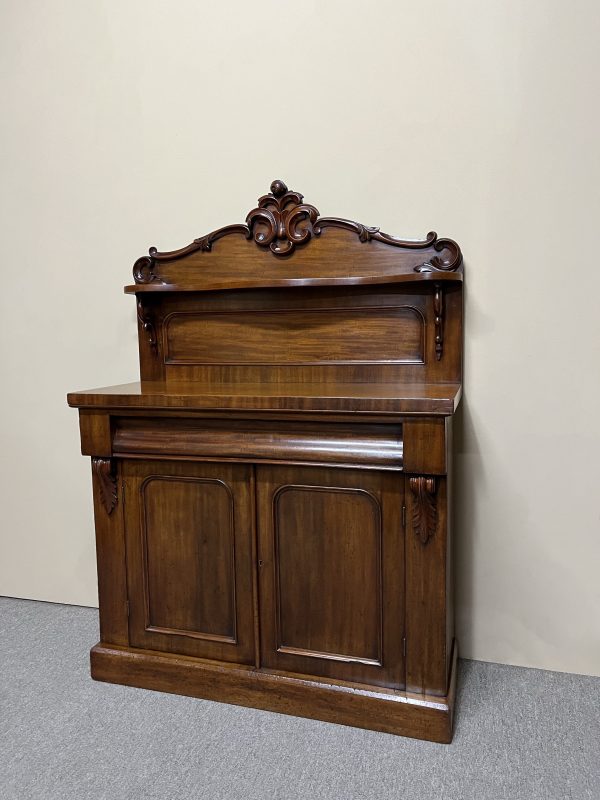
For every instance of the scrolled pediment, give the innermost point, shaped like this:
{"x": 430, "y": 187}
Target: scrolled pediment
{"x": 283, "y": 226}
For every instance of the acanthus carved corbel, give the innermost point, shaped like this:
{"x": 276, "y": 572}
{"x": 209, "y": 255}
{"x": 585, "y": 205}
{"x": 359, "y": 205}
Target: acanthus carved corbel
{"x": 424, "y": 507}
{"x": 103, "y": 469}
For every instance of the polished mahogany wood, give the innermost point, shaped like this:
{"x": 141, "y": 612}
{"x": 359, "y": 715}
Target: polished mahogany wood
{"x": 313, "y": 250}
{"x": 349, "y": 399}
{"x": 427, "y": 444}
{"x": 427, "y": 549}
{"x": 371, "y": 446}
{"x": 273, "y": 498}
{"x": 296, "y": 336}
{"x": 331, "y": 573}
{"x": 189, "y": 530}
{"x": 357, "y": 334}
{"x": 95, "y": 431}
{"x": 110, "y": 552}
{"x": 418, "y": 715}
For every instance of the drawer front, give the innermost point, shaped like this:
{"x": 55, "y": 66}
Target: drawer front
{"x": 371, "y": 446}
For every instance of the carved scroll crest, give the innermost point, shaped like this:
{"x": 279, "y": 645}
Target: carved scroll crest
{"x": 102, "y": 468}
{"x": 448, "y": 263}
{"x": 281, "y": 221}
{"x": 143, "y": 269}
{"x": 424, "y": 507}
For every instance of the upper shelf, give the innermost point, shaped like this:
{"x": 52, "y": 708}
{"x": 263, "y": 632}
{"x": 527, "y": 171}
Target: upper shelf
{"x": 285, "y": 242}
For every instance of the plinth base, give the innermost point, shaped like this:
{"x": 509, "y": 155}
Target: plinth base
{"x": 401, "y": 713}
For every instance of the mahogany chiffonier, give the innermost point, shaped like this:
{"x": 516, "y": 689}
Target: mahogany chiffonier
{"x": 272, "y": 499}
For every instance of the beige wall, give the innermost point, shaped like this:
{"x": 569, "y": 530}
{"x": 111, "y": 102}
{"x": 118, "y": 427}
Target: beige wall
{"x": 131, "y": 123}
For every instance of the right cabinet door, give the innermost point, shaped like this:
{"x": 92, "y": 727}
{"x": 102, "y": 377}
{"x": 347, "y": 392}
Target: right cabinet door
{"x": 331, "y": 573}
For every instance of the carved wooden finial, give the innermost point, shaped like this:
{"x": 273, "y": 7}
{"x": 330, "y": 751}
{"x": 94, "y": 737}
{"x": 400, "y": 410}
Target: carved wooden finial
{"x": 278, "y": 188}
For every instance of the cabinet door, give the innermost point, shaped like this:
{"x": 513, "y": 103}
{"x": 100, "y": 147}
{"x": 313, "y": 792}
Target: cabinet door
{"x": 331, "y": 573}
{"x": 189, "y": 532}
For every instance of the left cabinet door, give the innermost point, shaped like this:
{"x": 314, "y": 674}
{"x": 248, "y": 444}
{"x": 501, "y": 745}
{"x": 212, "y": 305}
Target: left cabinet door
{"x": 189, "y": 530}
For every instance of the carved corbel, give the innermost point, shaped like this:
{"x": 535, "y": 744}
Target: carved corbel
{"x": 103, "y": 469}
{"x": 147, "y": 324}
{"x": 424, "y": 507}
{"x": 438, "y": 312}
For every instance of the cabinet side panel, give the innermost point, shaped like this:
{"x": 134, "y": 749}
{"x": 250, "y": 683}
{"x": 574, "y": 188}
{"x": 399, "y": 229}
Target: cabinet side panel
{"x": 110, "y": 552}
{"x": 450, "y": 528}
{"x": 427, "y": 654}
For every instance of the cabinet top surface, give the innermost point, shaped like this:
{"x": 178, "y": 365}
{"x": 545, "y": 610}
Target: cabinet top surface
{"x": 416, "y": 398}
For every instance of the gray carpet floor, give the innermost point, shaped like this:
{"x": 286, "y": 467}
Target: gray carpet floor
{"x": 520, "y": 733}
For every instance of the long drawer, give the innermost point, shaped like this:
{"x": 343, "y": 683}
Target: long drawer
{"x": 374, "y": 446}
